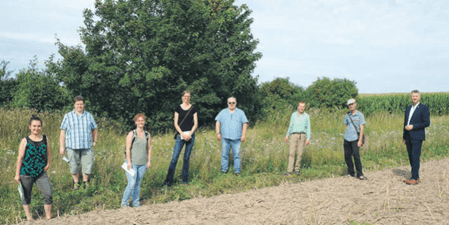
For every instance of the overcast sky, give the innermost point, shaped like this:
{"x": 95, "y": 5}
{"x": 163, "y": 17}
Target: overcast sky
{"x": 383, "y": 45}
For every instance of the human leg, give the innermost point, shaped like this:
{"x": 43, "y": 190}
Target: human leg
{"x": 357, "y": 161}
{"x": 74, "y": 157}
{"x": 294, "y": 138}
{"x": 87, "y": 162}
{"x": 186, "y": 162}
{"x": 174, "y": 160}
{"x": 44, "y": 186}
{"x": 27, "y": 186}
{"x": 416, "y": 154}
{"x": 235, "y": 145}
{"x": 300, "y": 148}
{"x": 129, "y": 188}
{"x": 140, "y": 171}
{"x": 348, "y": 157}
{"x": 225, "y": 148}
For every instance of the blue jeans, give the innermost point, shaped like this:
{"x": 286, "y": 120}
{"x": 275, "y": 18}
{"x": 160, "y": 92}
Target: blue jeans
{"x": 226, "y": 145}
{"x": 133, "y": 188}
{"x": 174, "y": 160}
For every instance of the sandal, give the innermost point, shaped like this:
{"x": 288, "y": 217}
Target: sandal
{"x": 362, "y": 178}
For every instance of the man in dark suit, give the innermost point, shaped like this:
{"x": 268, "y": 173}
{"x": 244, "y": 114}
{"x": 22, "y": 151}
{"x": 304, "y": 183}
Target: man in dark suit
{"x": 417, "y": 118}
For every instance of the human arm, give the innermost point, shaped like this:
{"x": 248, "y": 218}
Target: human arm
{"x": 62, "y": 142}
{"x": 360, "y": 142}
{"x": 129, "y": 140}
{"x": 309, "y": 131}
{"x": 290, "y": 128}
{"x": 20, "y": 159}
{"x": 177, "y": 127}
{"x": 195, "y": 126}
{"x": 95, "y": 136}
{"x": 425, "y": 119}
{"x": 217, "y": 130}
{"x": 48, "y": 156}
{"x": 149, "y": 151}
{"x": 244, "y": 128}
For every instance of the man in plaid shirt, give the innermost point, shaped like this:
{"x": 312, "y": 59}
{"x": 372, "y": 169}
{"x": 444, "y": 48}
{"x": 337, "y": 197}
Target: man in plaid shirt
{"x": 77, "y": 130}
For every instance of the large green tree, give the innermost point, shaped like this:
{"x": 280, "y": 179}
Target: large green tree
{"x": 7, "y": 84}
{"x": 140, "y": 55}
{"x": 327, "y": 93}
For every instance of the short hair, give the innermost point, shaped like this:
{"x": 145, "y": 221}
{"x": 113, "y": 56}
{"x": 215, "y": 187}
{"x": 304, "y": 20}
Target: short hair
{"x": 415, "y": 92}
{"x": 233, "y": 98}
{"x": 78, "y": 98}
{"x": 136, "y": 117}
{"x": 185, "y": 92}
{"x": 34, "y": 117}
{"x": 301, "y": 103}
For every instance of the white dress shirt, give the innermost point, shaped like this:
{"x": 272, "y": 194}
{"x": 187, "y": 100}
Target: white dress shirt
{"x": 412, "y": 110}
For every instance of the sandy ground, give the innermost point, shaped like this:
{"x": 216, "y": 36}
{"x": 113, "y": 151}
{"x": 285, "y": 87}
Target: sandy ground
{"x": 382, "y": 199}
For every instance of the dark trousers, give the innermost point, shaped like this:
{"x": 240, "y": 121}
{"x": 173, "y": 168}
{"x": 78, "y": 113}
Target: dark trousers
{"x": 414, "y": 152}
{"x": 174, "y": 160}
{"x": 352, "y": 150}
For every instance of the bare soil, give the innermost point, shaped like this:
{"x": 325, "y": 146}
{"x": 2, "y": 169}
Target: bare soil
{"x": 382, "y": 199}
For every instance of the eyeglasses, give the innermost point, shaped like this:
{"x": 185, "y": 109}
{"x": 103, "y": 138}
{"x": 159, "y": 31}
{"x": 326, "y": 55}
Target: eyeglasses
{"x": 231, "y": 103}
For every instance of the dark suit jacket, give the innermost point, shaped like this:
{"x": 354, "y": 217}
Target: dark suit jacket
{"x": 420, "y": 120}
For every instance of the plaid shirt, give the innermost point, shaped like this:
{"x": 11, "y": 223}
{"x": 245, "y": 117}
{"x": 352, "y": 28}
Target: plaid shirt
{"x": 78, "y": 130}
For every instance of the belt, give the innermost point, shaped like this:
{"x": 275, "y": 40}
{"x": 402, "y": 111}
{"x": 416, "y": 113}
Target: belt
{"x": 298, "y": 132}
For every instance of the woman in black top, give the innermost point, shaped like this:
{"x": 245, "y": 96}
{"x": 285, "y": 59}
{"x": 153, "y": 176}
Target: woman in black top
{"x": 186, "y": 122}
{"x": 32, "y": 165}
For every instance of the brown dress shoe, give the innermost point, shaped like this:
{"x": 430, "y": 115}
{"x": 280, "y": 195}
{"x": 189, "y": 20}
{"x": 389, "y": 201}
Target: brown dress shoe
{"x": 412, "y": 182}
{"x": 408, "y": 180}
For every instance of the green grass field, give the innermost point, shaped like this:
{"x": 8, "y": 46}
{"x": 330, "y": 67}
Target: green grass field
{"x": 264, "y": 160}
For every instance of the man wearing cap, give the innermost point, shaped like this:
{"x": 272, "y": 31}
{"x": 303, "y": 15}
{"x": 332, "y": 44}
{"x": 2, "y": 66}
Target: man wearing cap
{"x": 354, "y": 122}
{"x": 417, "y": 118}
{"x": 299, "y": 132}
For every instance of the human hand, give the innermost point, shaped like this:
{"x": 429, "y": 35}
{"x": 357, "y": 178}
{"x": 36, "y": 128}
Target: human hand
{"x": 286, "y": 139}
{"x": 403, "y": 141}
{"x": 46, "y": 168}
{"x": 242, "y": 139}
{"x": 409, "y": 127}
{"x": 17, "y": 179}
{"x": 62, "y": 151}
{"x": 148, "y": 164}
{"x": 359, "y": 144}
{"x": 187, "y": 137}
{"x": 307, "y": 142}
{"x": 94, "y": 143}
{"x": 129, "y": 166}
{"x": 219, "y": 137}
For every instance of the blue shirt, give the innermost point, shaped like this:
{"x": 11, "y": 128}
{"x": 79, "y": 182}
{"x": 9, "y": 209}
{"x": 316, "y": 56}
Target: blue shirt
{"x": 351, "y": 133}
{"x": 78, "y": 129}
{"x": 231, "y": 123}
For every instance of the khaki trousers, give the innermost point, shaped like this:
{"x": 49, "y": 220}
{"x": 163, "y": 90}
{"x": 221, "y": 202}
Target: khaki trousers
{"x": 297, "y": 142}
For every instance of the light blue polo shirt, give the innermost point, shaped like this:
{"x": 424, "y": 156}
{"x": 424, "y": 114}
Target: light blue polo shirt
{"x": 351, "y": 133}
{"x": 231, "y": 123}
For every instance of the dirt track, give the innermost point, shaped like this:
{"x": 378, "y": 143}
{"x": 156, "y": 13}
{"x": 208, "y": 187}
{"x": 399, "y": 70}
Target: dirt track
{"x": 382, "y": 199}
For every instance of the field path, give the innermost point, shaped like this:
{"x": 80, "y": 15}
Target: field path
{"x": 382, "y": 199}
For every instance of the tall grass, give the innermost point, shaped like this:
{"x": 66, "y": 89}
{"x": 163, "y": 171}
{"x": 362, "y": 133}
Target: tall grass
{"x": 264, "y": 160}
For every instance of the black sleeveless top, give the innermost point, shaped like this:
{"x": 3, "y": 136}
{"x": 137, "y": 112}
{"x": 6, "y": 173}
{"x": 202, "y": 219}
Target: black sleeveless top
{"x": 35, "y": 158}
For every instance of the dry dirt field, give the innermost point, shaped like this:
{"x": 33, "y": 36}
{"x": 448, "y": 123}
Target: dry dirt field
{"x": 382, "y": 199}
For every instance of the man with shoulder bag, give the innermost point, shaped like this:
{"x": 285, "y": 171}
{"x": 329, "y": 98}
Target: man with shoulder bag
{"x": 354, "y": 139}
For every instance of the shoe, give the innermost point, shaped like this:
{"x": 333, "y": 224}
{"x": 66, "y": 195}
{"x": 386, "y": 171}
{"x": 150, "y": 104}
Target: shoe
{"x": 76, "y": 187}
{"x": 237, "y": 174}
{"x": 224, "y": 172}
{"x": 362, "y": 177}
{"x": 349, "y": 175}
{"x": 287, "y": 173}
{"x": 86, "y": 185}
{"x": 185, "y": 183}
{"x": 168, "y": 184}
{"x": 412, "y": 182}
{"x": 408, "y": 180}
{"x": 298, "y": 173}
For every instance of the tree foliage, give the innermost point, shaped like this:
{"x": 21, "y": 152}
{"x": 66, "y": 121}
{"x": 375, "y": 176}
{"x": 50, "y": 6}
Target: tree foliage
{"x": 327, "y": 93}
{"x": 140, "y": 55}
{"x": 38, "y": 89}
{"x": 7, "y": 84}
{"x": 280, "y": 95}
